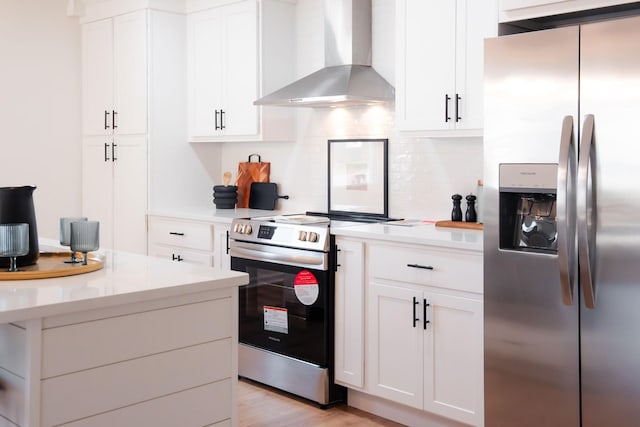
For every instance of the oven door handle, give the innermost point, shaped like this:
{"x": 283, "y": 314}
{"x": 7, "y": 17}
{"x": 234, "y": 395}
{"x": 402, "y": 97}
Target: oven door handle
{"x": 264, "y": 256}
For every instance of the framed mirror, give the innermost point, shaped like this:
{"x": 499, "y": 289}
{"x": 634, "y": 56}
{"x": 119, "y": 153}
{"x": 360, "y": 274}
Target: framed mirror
{"x": 358, "y": 177}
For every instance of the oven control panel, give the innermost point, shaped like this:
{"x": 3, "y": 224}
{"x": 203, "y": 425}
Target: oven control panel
{"x": 266, "y": 232}
{"x": 313, "y": 236}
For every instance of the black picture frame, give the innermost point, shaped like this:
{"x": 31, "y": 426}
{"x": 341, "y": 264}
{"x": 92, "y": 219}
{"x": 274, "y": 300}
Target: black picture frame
{"x": 358, "y": 178}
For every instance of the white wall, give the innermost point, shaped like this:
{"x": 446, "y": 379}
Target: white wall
{"x": 423, "y": 173}
{"x": 40, "y": 106}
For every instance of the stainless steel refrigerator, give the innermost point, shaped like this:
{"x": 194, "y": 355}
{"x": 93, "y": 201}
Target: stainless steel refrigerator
{"x": 562, "y": 227}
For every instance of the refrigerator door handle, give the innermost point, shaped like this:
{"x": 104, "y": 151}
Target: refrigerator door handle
{"x": 586, "y": 201}
{"x": 565, "y": 209}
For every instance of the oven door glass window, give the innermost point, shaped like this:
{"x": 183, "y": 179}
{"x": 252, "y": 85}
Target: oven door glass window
{"x": 284, "y": 309}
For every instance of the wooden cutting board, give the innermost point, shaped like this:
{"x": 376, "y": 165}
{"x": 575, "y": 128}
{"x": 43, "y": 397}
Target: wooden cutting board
{"x": 460, "y": 224}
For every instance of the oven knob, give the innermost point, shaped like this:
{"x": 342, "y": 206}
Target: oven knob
{"x": 313, "y": 236}
{"x": 302, "y": 235}
{"x": 237, "y": 228}
{"x": 248, "y": 229}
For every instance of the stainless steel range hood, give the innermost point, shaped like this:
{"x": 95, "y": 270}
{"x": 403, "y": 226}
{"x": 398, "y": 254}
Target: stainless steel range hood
{"x": 347, "y": 78}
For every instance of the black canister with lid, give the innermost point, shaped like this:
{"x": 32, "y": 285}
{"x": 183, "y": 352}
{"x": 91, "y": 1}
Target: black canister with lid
{"x": 16, "y": 206}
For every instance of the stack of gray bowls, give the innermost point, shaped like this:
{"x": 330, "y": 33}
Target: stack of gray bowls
{"x": 225, "y": 196}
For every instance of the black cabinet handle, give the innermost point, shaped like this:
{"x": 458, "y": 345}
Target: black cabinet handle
{"x": 113, "y": 119}
{"x": 415, "y": 319}
{"x": 222, "y": 113}
{"x": 176, "y": 258}
{"x": 228, "y": 242}
{"x": 423, "y": 267}
{"x": 113, "y": 152}
{"x": 447, "y": 98}
{"x": 458, "y": 98}
{"x": 106, "y": 152}
{"x": 106, "y": 119}
{"x": 217, "y": 127}
{"x": 424, "y": 313}
{"x": 175, "y": 233}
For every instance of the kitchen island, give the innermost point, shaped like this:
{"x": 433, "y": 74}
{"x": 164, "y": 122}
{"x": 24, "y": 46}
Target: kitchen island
{"x": 143, "y": 341}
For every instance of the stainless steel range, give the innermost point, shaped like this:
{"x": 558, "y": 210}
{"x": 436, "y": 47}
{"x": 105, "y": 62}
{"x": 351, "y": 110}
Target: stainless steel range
{"x": 286, "y": 310}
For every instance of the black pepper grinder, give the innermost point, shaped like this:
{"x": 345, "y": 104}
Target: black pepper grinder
{"x": 456, "y": 212}
{"x": 470, "y": 214}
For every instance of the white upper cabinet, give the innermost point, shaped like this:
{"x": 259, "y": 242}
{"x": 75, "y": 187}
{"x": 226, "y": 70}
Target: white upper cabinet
{"x": 223, "y": 60}
{"x": 115, "y": 75}
{"x": 439, "y": 87}
{"x": 515, "y": 10}
{"x": 233, "y": 52}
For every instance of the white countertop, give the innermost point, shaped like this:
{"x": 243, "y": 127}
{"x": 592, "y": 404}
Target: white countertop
{"x": 125, "y": 278}
{"x": 213, "y": 214}
{"x": 421, "y": 233}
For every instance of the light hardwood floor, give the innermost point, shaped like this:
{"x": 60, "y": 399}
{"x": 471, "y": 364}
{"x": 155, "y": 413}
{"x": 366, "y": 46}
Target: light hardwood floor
{"x": 260, "y": 405}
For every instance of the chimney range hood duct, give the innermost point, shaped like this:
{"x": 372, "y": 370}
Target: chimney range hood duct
{"x": 347, "y": 78}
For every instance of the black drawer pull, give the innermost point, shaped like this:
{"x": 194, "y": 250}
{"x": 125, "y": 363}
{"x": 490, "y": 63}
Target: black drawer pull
{"x": 175, "y": 233}
{"x": 424, "y": 267}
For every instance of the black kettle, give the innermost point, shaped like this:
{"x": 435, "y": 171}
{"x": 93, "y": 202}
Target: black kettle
{"x": 16, "y": 205}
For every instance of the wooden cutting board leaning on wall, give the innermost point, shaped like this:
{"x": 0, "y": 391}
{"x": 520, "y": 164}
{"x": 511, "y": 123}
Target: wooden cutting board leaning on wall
{"x": 249, "y": 172}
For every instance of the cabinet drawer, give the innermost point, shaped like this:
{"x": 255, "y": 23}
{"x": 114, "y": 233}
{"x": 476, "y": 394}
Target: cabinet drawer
{"x": 447, "y": 268}
{"x": 86, "y": 345}
{"x": 90, "y": 392}
{"x": 200, "y": 406}
{"x": 193, "y": 235}
{"x": 181, "y": 254}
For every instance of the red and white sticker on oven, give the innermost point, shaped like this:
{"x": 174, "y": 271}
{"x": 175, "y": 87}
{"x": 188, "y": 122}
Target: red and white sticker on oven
{"x": 306, "y": 287}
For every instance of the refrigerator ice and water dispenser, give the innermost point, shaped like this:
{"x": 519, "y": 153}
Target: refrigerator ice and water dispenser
{"x": 528, "y": 207}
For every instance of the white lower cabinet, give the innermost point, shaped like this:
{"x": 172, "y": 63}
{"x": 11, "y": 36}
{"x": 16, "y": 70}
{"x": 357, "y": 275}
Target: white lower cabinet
{"x": 425, "y": 350}
{"x": 182, "y": 240}
{"x": 349, "y": 313}
{"x": 409, "y": 326}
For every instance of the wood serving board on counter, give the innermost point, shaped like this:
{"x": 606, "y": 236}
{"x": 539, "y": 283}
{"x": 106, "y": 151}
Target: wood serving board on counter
{"x": 52, "y": 264}
{"x": 460, "y": 224}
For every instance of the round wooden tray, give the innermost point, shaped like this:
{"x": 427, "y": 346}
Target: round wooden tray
{"x": 52, "y": 264}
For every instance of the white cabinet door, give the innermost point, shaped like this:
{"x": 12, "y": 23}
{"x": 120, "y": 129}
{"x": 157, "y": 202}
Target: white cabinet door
{"x": 205, "y": 71}
{"x": 130, "y": 193}
{"x": 349, "y": 314}
{"x": 476, "y": 21}
{"x": 97, "y": 185}
{"x": 395, "y": 344}
{"x": 130, "y": 71}
{"x": 240, "y": 81}
{"x": 221, "y": 257}
{"x": 453, "y": 346}
{"x": 427, "y": 47}
{"x": 440, "y": 64}
{"x": 97, "y": 77}
{"x": 223, "y": 52}
{"x": 114, "y": 190}
{"x": 114, "y": 75}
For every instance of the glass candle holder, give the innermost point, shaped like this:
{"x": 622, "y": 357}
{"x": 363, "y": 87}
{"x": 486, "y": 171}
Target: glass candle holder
{"x": 14, "y": 242}
{"x": 85, "y": 237}
{"x": 65, "y": 235}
